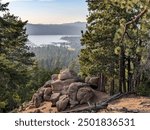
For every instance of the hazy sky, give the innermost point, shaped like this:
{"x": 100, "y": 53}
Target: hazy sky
{"x": 49, "y": 11}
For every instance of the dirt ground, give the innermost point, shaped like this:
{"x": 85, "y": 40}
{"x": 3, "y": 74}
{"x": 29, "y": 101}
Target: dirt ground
{"x": 46, "y": 107}
{"x": 131, "y": 103}
{"x": 127, "y": 104}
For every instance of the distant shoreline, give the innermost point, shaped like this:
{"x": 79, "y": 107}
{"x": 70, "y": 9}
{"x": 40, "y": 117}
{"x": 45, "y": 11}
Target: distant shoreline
{"x": 45, "y": 40}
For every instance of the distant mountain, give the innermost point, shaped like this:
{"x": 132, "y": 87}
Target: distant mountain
{"x": 56, "y": 29}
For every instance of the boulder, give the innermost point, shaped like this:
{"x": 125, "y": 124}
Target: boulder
{"x": 62, "y": 103}
{"x": 73, "y": 103}
{"x": 54, "y": 98}
{"x": 92, "y": 80}
{"x": 58, "y": 85}
{"x": 47, "y": 84}
{"x": 87, "y": 79}
{"x": 65, "y": 90}
{"x": 72, "y": 92}
{"x": 54, "y": 77}
{"x": 46, "y": 97}
{"x": 66, "y": 74}
{"x": 41, "y": 91}
{"x": 47, "y": 94}
{"x": 48, "y": 91}
{"x": 85, "y": 94}
{"x": 37, "y": 100}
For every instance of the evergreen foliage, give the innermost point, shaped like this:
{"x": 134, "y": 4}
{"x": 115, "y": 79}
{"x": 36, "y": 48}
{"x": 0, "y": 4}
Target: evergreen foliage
{"x": 116, "y": 41}
{"x": 19, "y": 75}
{"x": 51, "y": 57}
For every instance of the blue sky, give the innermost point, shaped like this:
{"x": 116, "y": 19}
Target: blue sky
{"x": 49, "y": 11}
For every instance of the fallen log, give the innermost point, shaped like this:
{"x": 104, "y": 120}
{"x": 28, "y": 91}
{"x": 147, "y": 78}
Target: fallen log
{"x": 96, "y": 107}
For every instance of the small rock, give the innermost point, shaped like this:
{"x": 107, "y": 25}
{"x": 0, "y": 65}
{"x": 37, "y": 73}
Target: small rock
{"x": 66, "y": 74}
{"x": 65, "y": 90}
{"x": 41, "y": 91}
{"x": 85, "y": 94}
{"x": 47, "y": 97}
{"x": 87, "y": 79}
{"x": 92, "y": 80}
{"x": 73, "y": 103}
{"x": 36, "y": 100}
{"x": 47, "y": 84}
{"x": 48, "y": 91}
{"x": 62, "y": 103}
{"x": 54, "y": 98}
{"x": 54, "y": 77}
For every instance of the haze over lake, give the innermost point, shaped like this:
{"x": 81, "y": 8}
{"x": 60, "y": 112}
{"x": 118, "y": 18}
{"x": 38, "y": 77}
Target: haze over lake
{"x": 39, "y": 40}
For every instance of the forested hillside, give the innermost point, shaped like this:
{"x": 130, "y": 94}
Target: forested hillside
{"x": 52, "y": 57}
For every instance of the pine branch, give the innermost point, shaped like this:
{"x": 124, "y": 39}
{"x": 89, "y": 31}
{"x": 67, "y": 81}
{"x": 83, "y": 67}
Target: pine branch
{"x": 136, "y": 18}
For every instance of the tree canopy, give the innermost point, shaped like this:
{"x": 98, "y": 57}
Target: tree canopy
{"x": 16, "y": 62}
{"x": 116, "y": 41}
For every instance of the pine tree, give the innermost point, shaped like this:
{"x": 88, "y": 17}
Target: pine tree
{"x": 115, "y": 41}
{"x": 16, "y": 61}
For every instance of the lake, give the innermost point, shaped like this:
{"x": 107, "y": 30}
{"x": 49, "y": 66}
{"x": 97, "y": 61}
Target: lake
{"x": 40, "y": 40}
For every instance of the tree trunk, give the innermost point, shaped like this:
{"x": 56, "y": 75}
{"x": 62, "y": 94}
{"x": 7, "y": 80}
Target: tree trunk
{"x": 121, "y": 70}
{"x": 99, "y": 83}
{"x": 103, "y": 83}
{"x": 129, "y": 74}
{"x": 112, "y": 87}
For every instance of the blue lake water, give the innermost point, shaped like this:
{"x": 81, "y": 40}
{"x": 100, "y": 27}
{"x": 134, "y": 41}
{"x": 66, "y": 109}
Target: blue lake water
{"x": 40, "y": 40}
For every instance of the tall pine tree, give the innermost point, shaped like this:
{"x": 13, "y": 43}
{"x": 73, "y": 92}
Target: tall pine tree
{"x": 116, "y": 40}
{"x": 16, "y": 61}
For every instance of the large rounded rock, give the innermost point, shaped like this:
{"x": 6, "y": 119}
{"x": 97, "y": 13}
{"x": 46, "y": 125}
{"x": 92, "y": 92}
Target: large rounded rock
{"x": 47, "y": 94}
{"x": 54, "y": 77}
{"x": 48, "y": 91}
{"x": 85, "y": 94}
{"x": 47, "y": 84}
{"x": 54, "y": 98}
{"x": 66, "y": 74}
{"x": 62, "y": 103}
{"x": 41, "y": 91}
{"x": 65, "y": 90}
{"x": 58, "y": 85}
{"x": 87, "y": 79}
{"x": 72, "y": 92}
{"x": 92, "y": 80}
{"x": 36, "y": 100}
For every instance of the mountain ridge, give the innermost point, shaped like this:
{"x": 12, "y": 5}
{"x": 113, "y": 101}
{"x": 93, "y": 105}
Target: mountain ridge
{"x": 56, "y": 29}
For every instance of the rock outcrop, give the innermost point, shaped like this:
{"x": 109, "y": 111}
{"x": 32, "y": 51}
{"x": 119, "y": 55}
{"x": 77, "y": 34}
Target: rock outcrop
{"x": 64, "y": 90}
{"x": 85, "y": 94}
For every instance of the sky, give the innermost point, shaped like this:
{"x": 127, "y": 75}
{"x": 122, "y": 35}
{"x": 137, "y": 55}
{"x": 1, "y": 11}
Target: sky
{"x": 49, "y": 11}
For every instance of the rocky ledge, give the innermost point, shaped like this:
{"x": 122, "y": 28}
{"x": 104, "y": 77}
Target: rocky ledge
{"x": 64, "y": 91}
